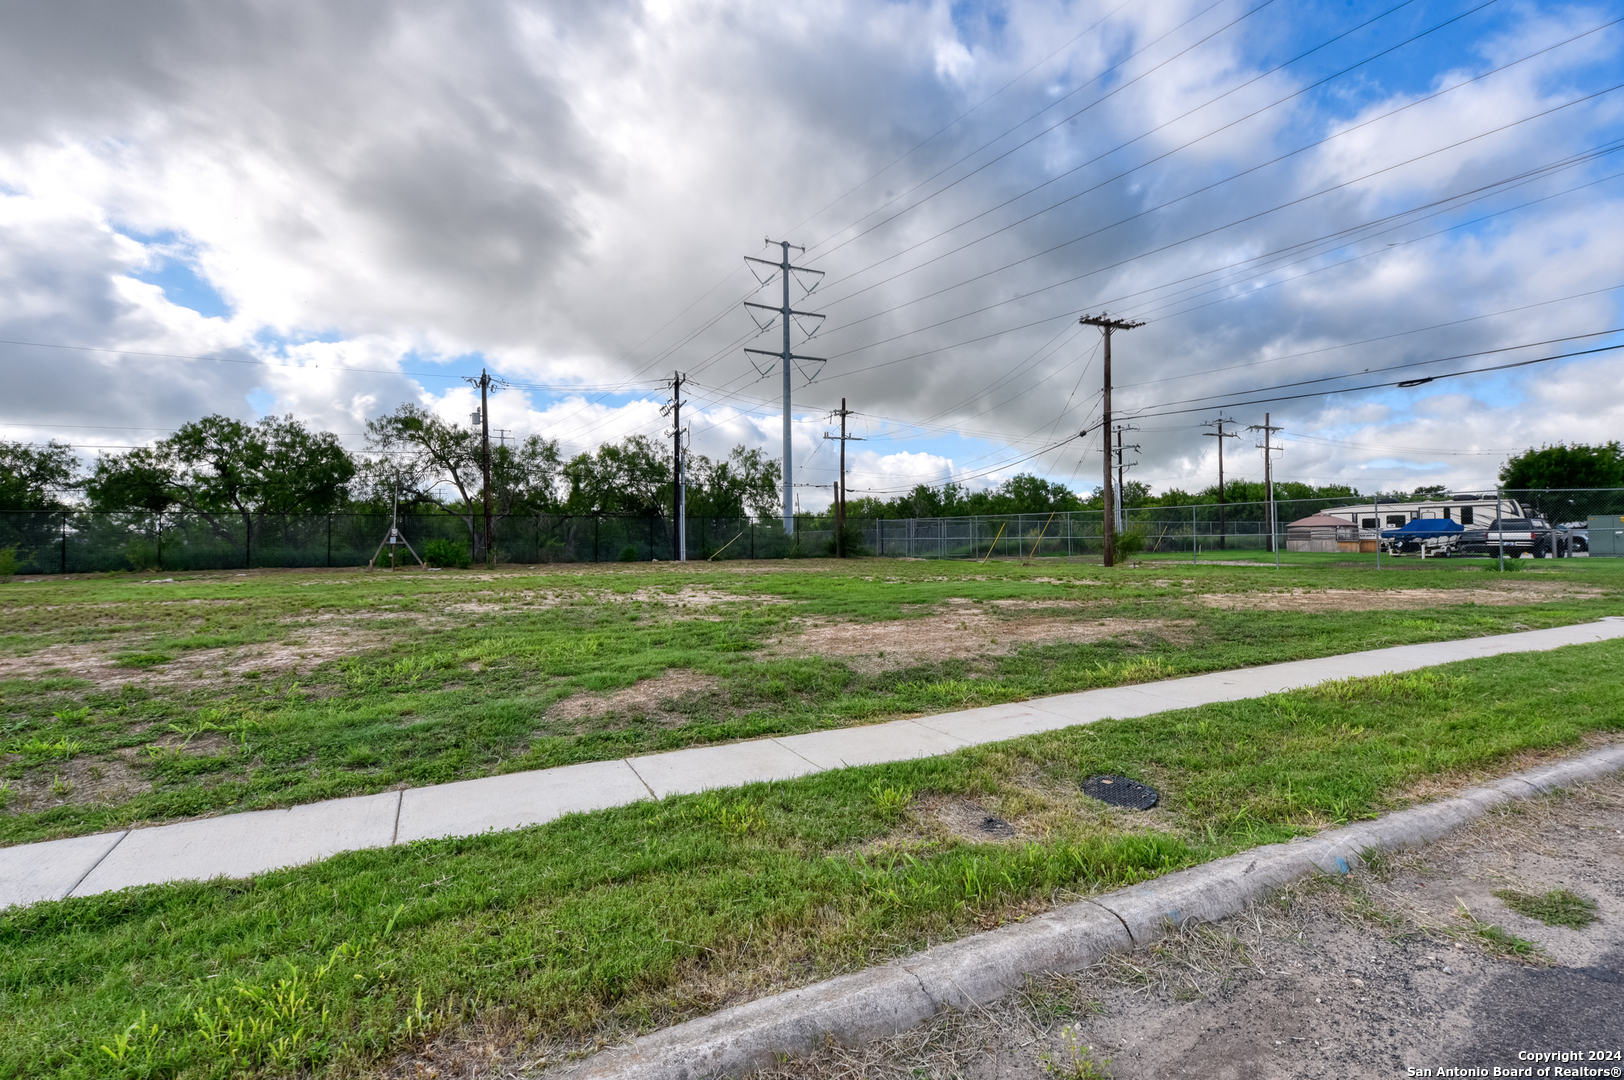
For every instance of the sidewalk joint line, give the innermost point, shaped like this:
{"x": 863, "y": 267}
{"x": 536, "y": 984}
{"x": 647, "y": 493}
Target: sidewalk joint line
{"x": 91, "y": 869}
{"x": 815, "y": 766}
{"x": 640, "y": 779}
{"x": 394, "y": 837}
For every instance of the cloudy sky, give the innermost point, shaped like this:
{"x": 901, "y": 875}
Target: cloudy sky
{"x": 328, "y": 209}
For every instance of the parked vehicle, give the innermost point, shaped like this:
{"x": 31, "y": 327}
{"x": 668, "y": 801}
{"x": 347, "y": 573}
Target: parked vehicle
{"x": 1517, "y": 536}
{"x": 1468, "y": 510}
{"x": 1427, "y": 537}
{"x": 1578, "y": 536}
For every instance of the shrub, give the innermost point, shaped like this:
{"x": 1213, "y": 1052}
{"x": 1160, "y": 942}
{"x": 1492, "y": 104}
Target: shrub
{"x": 447, "y": 553}
{"x": 1130, "y": 542}
{"x": 852, "y": 534}
{"x": 628, "y": 553}
{"x": 8, "y": 563}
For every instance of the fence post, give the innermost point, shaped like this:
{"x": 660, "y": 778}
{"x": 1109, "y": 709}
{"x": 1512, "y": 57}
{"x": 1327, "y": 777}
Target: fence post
{"x": 160, "y": 540}
{"x": 329, "y": 539}
{"x": 64, "y": 542}
{"x": 595, "y": 539}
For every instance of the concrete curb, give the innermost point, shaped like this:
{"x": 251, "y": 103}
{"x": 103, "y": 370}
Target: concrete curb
{"x": 979, "y": 969}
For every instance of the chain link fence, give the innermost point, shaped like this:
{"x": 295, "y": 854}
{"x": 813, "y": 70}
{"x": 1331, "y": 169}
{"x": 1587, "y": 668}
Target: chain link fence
{"x": 75, "y": 542}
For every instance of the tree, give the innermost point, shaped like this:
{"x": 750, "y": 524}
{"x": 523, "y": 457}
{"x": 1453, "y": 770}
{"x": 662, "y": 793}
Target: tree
{"x": 746, "y": 484}
{"x": 32, "y": 478}
{"x": 220, "y": 469}
{"x": 139, "y": 479}
{"x": 632, "y": 476}
{"x": 1565, "y": 466}
{"x": 424, "y": 454}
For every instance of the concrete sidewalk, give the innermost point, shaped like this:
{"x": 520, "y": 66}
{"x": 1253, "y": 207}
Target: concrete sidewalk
{"x": 238, "y": 845}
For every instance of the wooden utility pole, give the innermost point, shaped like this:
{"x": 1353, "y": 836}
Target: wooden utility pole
{"x": 1268, "y": 480}
{"x": 1220, "y": 435}
{"x": 483, "y": 419}
{"x": 1107, "y": 523}
{"x": 485, "y": 460}
{"x": 840, "y": 487}
{"x": 1121, "y": 467}
{"x": 679, "y": 474}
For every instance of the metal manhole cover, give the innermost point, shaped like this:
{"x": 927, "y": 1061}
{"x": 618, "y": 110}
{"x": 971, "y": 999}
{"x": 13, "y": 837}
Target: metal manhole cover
{"x": 1120, "y": 791}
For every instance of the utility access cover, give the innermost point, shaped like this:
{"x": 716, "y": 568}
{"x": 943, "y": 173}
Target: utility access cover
{"x": 1120, "y": 791}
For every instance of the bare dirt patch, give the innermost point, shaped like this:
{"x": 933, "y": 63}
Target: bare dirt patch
{"x": 966, "y": 630}
{"x": 304, "y": 650}
{"x": 648, "y": 696}
{"x": 1502, "y": 595}
{"x": 77, "y": 781}
{"x": 1363, "y": 977}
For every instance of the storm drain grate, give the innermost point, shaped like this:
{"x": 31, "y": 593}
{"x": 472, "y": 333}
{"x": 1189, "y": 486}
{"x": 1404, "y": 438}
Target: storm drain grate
{"x": 1120, "y": 791}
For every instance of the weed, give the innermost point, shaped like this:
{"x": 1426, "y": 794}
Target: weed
{"x": 63, "y": 748}
{"x": 889, "y": 801}
{"x": 72, "y": 716}
{"x": 1378, "y": 862}
{"x": 1505, "y": 942}
{"x": 1557, "y": 907}
{"x": 1497, "y": 937}
{"x": 1077, "y": 1061}
{"x": 132, "y": 1049}
{"x": 61, "y": 787}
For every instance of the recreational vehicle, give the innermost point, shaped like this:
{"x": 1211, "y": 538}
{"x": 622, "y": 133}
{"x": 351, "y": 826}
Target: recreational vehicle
{"x": 1468, "y": 510}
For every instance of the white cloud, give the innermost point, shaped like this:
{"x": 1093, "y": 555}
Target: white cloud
{"x": 551, "y": 187}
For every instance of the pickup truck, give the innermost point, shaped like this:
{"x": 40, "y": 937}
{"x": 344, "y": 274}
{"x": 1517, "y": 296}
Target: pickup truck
{"x": 1519, "y": 536}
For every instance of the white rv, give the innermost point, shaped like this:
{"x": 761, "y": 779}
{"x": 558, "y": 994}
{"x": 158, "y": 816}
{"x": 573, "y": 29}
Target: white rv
{"x": 1470, "y": 510}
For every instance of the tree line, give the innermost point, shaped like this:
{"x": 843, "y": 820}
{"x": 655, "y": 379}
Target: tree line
{"x": 236, "y": 475}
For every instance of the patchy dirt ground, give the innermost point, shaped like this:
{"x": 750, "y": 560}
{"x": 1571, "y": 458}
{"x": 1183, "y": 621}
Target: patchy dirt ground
{"x": 962, "y": 631}
{"x": 1501, "y": 595}
{"x": 304, "y": 649}
{"x": 1407, "y": 968}
{"x": 72, "y": 782}
{"x": 653, "y": 697}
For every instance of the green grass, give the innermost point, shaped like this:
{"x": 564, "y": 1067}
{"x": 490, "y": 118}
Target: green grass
{"x": 1555, "y": 907}
{"x": 1504, "y": 942}
{"x": 431, "y": 691}
{"x": 649, "y": 913}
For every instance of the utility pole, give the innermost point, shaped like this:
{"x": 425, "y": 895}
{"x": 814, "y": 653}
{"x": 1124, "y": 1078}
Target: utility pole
{"x": 1220, "y": 435}
{"x": 679, "y": 476}
{"x": 1107, "y": 325}
{"x": 1121, "y": 488}
{"x": 483, "y": 418}
{"x": 840, "y": 488}
{"x": 1268, "y": 480}
{"x": 788, "y": 356}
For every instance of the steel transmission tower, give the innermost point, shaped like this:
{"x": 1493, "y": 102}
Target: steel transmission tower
{"x": 784, "y": 313}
